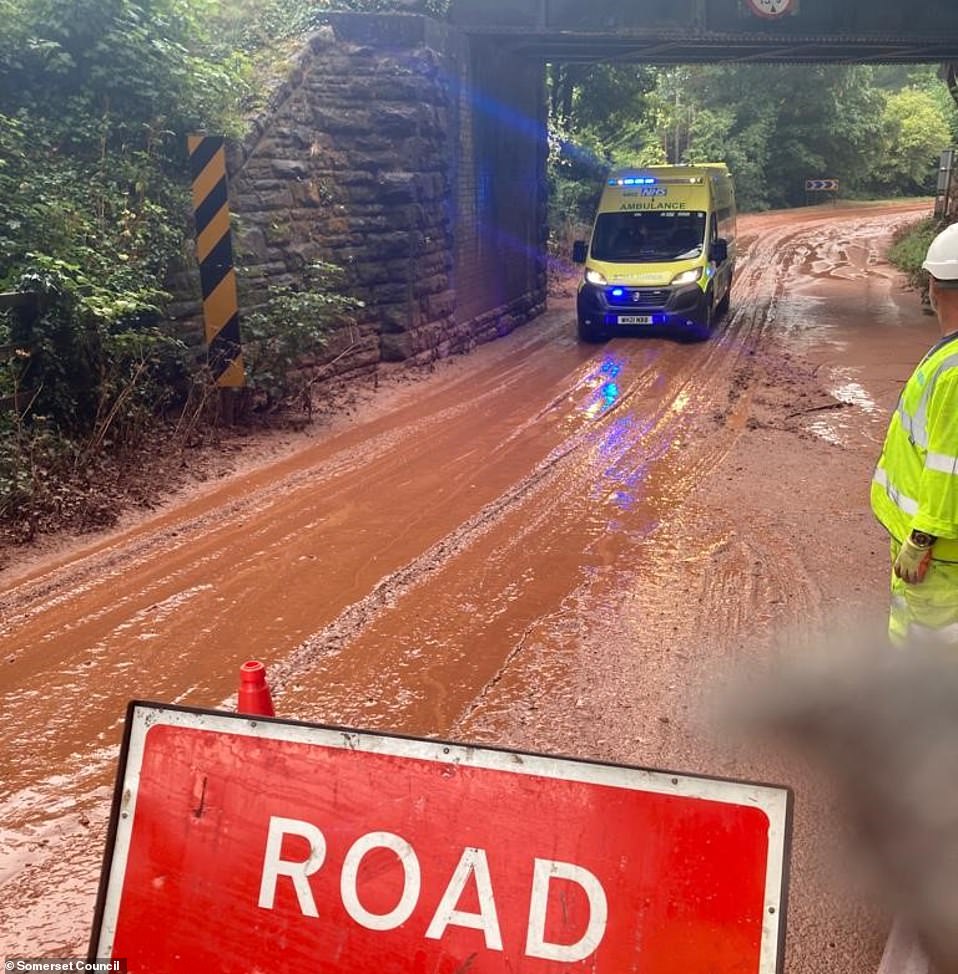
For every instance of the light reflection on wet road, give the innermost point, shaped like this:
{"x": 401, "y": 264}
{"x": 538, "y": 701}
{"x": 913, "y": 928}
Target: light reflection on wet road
{"x": 395, "y": 574}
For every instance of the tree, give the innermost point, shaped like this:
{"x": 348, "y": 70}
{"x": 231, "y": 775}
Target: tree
{"x": 915, "y": 130}
{"x": 606, "y": 107}
{"x": 597, "y": 119}
{"x": 784, "y": 124}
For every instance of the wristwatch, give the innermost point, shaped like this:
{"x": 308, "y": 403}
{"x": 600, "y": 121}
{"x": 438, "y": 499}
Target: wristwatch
{"x": 922, "y": 540}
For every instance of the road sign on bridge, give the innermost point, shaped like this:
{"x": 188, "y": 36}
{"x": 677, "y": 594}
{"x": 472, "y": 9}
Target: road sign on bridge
{"x": 772, "y": 8}
{"x": 243, "y": 844}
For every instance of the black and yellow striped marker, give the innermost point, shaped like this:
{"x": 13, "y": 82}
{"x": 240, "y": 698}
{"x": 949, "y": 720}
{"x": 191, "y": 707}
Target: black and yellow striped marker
{"x": 214, "y": 251}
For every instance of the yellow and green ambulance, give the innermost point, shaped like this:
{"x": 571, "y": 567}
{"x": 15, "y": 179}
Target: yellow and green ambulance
{"x": 662, "y": 253}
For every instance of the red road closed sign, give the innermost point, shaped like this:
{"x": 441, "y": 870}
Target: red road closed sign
{"x": 251, "y": 846}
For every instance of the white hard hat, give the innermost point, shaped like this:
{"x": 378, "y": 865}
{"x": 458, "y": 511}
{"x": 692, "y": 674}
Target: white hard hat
{"x": 941, "y": 261}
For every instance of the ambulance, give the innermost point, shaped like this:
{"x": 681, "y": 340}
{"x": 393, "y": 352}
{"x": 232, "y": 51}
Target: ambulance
{"x": 662, "y": 253}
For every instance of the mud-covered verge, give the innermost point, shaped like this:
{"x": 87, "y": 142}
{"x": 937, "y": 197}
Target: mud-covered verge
{"x": 68, "y": 493}
{"x": 77, "y": 501}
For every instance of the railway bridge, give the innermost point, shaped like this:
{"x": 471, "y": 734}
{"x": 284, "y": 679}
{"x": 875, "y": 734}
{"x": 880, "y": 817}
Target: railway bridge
{"x": 412, "y": 151}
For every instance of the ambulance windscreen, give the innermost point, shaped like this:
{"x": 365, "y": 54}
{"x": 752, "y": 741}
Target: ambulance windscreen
{"x": 648, "y": 237}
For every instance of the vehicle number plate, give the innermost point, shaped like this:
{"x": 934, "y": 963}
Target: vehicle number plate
{"x": 635, "y": 319}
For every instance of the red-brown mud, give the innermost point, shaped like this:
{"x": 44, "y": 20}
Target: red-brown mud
{"x": 542, "y": 545}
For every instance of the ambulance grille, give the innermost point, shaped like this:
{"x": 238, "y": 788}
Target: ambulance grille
{"x": 648, "y": 297}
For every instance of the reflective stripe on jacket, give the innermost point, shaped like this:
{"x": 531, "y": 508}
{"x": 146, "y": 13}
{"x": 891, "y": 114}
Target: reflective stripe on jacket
{"x": 915, "y": 485}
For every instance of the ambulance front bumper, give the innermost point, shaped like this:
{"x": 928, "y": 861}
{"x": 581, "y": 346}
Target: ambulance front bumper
{"x": 609, "y": 306}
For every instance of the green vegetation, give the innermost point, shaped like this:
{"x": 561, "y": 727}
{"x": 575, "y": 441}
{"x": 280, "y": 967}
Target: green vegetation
{"x": 96, "y": 97}
{"x": 292, "y": 326}
{"x": 909, "y": 249}
{"x": 96, "y": 100}
{"x": 879, "y": 130}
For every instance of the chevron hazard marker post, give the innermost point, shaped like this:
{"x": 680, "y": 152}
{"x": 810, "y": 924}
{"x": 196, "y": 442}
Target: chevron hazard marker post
{"x": 214, "y": 251}
{"x": 820, "y": 186}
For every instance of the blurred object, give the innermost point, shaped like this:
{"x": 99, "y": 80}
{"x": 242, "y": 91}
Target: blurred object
{"x": 883, "y": 723}
{"x": 903, "y": 953}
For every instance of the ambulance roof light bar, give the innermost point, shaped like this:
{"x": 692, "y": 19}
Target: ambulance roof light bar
{"x": 651, "y": 181}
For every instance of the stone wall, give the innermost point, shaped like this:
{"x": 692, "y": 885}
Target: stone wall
{"x": 383, "y": 154}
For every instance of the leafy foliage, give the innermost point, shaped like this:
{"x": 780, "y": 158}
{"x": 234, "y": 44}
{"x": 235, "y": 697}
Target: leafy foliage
{"x": 914, "y": 132}
{"x": 910, "y": 247}
{"x": 599, "y": 118}
{"x": 294, "y": 323}
{"x": 35, "y": 462}
{"x": 96, "y": 100}
{"x": 90, "y": 378}
{"x": 261, "y": 28}
{"x": 878, "y": 130}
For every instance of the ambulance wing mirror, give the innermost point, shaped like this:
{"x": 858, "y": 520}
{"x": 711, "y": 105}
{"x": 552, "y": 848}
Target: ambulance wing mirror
{"x": 580, "y": 250}
{"x": 719, "y": 250}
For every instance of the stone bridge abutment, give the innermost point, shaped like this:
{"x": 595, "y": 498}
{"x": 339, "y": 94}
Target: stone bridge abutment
{"x": 413, "y": 157}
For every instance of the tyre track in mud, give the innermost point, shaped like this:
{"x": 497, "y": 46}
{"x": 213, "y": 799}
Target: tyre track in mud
{"x": 51, "y": 841}
{"x": 561, "y": 492}
{"x": 743, "y": 578}
{"x": 417, "y": 667}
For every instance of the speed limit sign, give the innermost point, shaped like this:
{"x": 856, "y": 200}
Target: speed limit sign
{"x": 771, "y": 8}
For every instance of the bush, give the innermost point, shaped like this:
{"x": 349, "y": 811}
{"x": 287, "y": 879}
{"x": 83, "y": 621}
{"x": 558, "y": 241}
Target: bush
{"x": 294, "y": 323}
{"x": 97, "y": 366}
{"x": 910, "y": 246}
{"x": 36, "y": 464}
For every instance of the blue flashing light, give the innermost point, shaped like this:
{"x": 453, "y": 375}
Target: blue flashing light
{"x": 660, "y": 319}
{"x": 633, "y": 181}
{"x": 617, "y": 292}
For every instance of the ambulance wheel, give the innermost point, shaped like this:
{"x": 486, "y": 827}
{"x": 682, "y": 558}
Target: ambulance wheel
{"x": 722, "y": 307}
{"x": 589, "y": 333}
{"x": 703, "y": 332}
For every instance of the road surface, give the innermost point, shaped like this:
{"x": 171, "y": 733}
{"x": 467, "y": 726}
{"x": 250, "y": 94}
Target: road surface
{"x": 541, "y": 545}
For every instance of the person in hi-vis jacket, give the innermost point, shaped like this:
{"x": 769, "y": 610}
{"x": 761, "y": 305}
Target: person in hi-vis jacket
{"x": 914, "y": 490}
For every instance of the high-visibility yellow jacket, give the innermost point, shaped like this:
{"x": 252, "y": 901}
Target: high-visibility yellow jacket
{"x": 915, "y": 486}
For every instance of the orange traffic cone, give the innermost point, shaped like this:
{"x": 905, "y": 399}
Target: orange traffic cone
{"x": 253, "y": 697}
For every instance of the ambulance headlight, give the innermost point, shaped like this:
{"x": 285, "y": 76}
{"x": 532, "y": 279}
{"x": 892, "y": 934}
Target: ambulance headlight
{"x": 594, "y": 277}
{"x": 688, "y": 277}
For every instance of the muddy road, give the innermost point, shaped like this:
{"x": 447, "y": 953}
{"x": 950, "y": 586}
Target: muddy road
{"x": 541, "y": 545}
